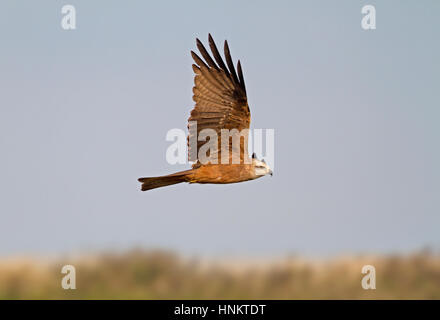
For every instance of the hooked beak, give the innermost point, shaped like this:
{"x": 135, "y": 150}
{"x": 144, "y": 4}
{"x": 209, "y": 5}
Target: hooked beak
{"x": 271, "y": 173}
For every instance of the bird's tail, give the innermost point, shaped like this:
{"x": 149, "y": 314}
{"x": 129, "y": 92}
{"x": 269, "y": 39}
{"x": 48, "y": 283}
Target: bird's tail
{"x": 163, "y": 181}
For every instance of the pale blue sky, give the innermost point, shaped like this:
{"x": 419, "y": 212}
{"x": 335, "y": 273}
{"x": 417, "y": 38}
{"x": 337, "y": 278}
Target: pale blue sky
{"x": 356, "y": 115}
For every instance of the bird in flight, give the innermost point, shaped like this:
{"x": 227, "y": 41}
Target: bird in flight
{"x": 220, "y": 106}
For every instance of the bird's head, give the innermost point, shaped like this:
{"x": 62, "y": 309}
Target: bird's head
{"x": 260, "y": 167}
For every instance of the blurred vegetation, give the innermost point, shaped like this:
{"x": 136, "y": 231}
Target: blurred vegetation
{"x": 142, "y": 274}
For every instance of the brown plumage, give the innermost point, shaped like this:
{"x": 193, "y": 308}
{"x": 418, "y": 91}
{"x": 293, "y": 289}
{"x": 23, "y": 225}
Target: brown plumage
{"x": 220, "y": 103}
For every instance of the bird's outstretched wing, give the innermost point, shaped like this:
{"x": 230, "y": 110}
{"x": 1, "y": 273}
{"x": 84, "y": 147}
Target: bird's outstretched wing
{"x": 220, "y": 102}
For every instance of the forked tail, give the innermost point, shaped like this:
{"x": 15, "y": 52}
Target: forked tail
{"x": 163, "y": 181}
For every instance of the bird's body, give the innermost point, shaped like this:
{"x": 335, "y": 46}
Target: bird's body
{"x": 221, "y": 104}
{"x": 212, "y": 174}
{"x": 220, "y": 173}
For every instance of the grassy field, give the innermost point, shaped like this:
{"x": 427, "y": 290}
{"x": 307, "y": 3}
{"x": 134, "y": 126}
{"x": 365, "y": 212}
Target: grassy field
{"x": 164, "y": 275}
